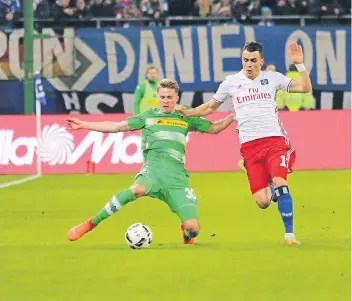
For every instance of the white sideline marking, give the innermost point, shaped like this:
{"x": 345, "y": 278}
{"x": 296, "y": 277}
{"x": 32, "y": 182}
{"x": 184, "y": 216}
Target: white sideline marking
{"x": 21, "y": 181}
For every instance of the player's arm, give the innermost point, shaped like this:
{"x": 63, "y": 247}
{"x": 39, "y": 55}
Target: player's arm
{"x": 100, "y": 126}
{"x": 202, "y": 110}
{"x": 211, "y": 106}
{"x": 203, "y": 125}
{"x": 303, "y": 84}
{"x": 218, "y": 126}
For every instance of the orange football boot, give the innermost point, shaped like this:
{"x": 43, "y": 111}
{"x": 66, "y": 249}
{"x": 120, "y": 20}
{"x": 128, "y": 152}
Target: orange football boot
{"x": 78, "y": 231}
{"x": 292, "y": 242}
{"x": 290, "y": 239}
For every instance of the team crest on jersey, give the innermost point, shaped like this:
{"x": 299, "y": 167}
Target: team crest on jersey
{"x": 170, "y": 122}
{"x": 264, "y": 82}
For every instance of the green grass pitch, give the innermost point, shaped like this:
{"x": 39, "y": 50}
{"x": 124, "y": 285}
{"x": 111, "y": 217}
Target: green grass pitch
{"x": 239, "y": 253}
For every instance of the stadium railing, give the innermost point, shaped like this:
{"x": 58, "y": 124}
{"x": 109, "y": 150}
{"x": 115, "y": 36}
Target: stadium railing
{"x": 301, "y": 20}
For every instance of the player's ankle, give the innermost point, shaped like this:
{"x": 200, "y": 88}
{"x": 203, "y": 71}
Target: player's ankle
{"x": 289, "y": 235}
{"x": 189, "y": 234}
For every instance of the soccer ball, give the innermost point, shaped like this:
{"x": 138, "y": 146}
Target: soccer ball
{"x": 138, "y": 236}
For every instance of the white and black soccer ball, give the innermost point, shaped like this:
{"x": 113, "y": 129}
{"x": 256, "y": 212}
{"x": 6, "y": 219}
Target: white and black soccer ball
{"x": 138, "y": 236}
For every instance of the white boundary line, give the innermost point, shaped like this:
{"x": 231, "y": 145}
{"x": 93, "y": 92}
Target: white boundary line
{"x": 21, "y": 181}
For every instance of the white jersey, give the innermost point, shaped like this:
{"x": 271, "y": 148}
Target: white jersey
{"x": 254, "y": 103}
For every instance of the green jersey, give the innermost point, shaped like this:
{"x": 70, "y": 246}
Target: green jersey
{"x": 164, "y": 135}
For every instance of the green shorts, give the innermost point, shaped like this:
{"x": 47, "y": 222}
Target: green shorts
{"x": 173, "y": 189}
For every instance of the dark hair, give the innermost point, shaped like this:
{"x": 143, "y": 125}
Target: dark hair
{"x": 254, "y": 46}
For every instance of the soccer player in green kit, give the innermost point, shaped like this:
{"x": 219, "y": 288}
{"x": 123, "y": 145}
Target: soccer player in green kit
{"x": 163, "y": 175}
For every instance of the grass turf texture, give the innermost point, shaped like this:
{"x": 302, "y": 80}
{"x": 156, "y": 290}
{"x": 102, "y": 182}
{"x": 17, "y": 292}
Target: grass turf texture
{"x": 239, "y": 256}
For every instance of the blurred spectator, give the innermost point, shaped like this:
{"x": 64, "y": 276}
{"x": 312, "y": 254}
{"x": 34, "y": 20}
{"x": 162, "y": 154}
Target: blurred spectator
{"x": 254, "y": 8}
{"x": 346, "y": 4}
{"x": 132, "y": 11}
{"x": 62, "y": 10}
{"x": 180, "y": 8}
{"x": 145, "y": 94}
{"x": 240, "y": 10}
{"x": 222, "y": 9}
{"x": 266, "y": 17}
{"x": 202, "y": 8}
{"x": 269, "y": 67}
{"x": 279, "y": 8}
{"x": 82, "y": 12}
{"x": 127, "y": 9}
{"x": 293, "y": 7}
{"x": 102, "y": 8}
{"x": 304, "y": 7}
{"x": 41, "y": 9}
{"x": 155, "y": 9}
{"x": 9, "y": 12}
{"x": 120, "y": 9}
{"x": 326, "y": 7}
{"x": 294, "y": 101}
{"x": 268, "y": 3}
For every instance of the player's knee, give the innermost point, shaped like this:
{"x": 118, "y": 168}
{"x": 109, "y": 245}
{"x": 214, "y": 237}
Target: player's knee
{"x": 277, "y": 181}
{"x": 192, "y": 226}
{"x": 138, "y": 190}
{"x": 263, "y": 204}
{"x": 262, "y": 199}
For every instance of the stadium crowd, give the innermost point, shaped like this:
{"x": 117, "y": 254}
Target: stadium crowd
{"x": 240, "y": 10}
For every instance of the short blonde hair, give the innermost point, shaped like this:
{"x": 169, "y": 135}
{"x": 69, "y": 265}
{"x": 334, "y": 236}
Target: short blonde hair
{"x": 169, "y": 83}
{"x": 152, "y": 68}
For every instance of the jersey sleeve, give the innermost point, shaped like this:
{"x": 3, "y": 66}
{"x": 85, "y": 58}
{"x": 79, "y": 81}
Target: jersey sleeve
{"x": 223, "y": 92}
{"x": 137, "y": 122}
{"x": 199, "y": 124}
{"x": 282, "y": 82}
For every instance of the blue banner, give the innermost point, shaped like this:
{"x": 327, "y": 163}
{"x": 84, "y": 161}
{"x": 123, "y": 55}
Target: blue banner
{"x": 199, "y": 58}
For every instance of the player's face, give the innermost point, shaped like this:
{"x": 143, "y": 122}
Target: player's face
{"x": 168, "y": 99}
{"x": 251, "y": 63}
{"x": 152, "y": 75}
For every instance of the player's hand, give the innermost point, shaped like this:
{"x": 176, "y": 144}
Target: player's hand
{"x": 73, "y": 124}
{"x": 296, "y": 53}
{"x": 181, "y": 109}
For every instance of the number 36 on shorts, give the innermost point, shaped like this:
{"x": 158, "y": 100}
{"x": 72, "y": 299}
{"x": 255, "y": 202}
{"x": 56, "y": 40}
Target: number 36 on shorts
{"x": 190, "y": 194}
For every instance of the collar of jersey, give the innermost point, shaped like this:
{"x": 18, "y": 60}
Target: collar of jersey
{"x": 245, "y": 77}
{"x": 167, "y": 113}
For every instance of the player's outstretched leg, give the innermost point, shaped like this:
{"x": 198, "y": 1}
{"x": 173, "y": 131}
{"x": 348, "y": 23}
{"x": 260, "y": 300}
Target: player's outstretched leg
{"x": 190, "y": 230}
{"x": 115, "y": 204}
{"x": 285, "y": 207}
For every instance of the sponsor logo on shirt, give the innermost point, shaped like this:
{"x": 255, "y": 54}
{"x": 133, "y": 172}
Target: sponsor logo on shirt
{"x": 254, "y": 94}
{"x": 170, "y": 122}
{"x": 264, "y": 82}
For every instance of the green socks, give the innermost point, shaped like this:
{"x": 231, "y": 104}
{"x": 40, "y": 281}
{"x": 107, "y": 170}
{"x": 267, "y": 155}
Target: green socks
{"x": 116, "y": 203}
{"x": 190, "y": 234}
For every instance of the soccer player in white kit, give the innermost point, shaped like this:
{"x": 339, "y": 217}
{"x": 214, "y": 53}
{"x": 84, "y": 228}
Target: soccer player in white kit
{"x": 265, "y": 148}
